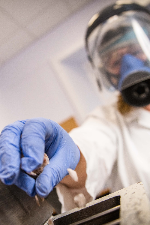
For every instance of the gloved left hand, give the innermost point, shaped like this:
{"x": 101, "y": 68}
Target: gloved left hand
{"x": 31, "y": 139}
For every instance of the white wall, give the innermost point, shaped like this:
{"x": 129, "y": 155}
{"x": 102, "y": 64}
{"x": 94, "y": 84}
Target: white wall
{"x": 31, "y": 85}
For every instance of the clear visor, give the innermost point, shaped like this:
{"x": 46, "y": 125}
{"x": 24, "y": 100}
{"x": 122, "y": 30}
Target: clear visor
{"x": 118, "y": 36}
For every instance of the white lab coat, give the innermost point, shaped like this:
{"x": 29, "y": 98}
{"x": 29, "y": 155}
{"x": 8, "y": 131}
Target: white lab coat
{"x": 116, "y": 149}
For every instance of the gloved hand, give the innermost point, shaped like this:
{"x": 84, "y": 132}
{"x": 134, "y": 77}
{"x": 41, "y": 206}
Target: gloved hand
{"x": 32, "y": 138}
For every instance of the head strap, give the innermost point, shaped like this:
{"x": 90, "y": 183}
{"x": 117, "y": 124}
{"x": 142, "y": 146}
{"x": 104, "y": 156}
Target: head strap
{"x": 106, "y": 13}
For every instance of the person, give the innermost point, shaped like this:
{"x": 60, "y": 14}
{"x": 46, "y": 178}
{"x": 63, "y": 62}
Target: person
{"x": 111, "y": 148}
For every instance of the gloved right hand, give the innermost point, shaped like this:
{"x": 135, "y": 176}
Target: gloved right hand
{"x": 32, "y": 138}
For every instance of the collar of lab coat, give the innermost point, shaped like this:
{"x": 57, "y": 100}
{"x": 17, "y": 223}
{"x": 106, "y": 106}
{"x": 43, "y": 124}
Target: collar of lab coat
{"x": 140, "y": 116}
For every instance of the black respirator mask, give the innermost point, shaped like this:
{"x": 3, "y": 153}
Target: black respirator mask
{"x": 118, "y": 47}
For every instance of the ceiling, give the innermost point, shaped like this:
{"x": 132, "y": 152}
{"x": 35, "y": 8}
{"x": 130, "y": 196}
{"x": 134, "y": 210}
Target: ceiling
{"x": 22, "y": 22}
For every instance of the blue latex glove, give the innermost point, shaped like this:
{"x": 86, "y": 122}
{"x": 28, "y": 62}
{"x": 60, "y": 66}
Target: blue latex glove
{"x": 33, "y": 138}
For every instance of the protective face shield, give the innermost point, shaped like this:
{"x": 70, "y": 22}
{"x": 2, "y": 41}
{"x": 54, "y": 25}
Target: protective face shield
{"x": 118, "y": 46}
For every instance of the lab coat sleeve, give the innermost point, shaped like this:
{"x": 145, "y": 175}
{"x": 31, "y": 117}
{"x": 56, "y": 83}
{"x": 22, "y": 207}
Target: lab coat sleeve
{"x": 97, "y": 140}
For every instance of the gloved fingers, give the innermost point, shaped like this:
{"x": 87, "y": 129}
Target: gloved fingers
{"x": 36, "y": 133}
{"x": 48, "y": 179}
{"x": 56, "y": 170}
{"x": 26, "y": 183}
{"x": 10, "y": 152}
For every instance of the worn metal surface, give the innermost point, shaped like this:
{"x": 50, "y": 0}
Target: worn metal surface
{"x": 17, "y": 208}
{"x": 135, "y": 206}
{"x": 132, "y": 203}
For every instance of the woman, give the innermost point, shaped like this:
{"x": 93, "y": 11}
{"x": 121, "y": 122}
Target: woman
{"x": 111, "y": 148}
